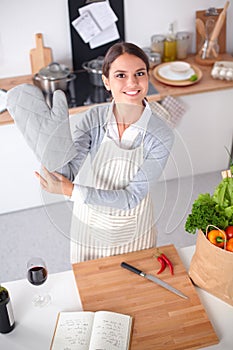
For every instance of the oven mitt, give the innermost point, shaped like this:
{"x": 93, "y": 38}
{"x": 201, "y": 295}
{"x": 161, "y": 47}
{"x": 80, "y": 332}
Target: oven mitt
{"x": 46, "y": 131}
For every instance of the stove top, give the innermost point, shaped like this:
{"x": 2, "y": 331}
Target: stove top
{"x": 82, "y": 92}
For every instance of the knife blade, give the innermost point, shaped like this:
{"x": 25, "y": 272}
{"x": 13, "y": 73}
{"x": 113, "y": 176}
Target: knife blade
{"x": 154, "y": 279}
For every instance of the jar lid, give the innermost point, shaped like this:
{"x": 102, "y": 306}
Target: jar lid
{"x": 158, "y": 38}
{"x": 182, "y": 35}
{"x": 54, "y": 71}
{"x": 154, "y": 57}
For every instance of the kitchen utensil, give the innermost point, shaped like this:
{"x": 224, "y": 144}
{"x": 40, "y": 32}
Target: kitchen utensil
{"x": 53, "y": 77}
{"x": 222, "y": 36}
{"x": 153, "y": 279}
{"x": 209, "y": 26}
{"x": 40, "y": 56}
{"x": 94, "y": 68}
{"x": 200, "y": 25}
{"x": 217, "y": 29}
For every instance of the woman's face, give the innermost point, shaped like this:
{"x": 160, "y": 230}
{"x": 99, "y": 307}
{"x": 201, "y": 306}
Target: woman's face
{"x": 128, "y": 79}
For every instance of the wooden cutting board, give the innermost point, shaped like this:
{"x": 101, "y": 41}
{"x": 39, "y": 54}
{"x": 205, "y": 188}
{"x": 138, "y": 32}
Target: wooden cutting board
{"x": 162, "y": 320}
{"x": 40, "y": 56}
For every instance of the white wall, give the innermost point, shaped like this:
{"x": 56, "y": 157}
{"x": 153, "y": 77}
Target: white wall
{"x": 20, "y": 20}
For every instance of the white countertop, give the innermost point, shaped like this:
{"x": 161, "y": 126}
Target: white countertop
{"x": 34, "y": 326}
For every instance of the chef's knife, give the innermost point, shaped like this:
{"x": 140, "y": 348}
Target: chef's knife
{"x": 153, "y": 279}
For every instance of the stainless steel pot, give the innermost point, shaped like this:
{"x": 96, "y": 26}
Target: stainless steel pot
{"x": 94, "y": 68}
{"x": 53, "y": 77}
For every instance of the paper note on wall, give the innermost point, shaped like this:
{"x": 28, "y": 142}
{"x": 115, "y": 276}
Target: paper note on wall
{"x": 96, "y": 24}
{"x": 109, "y": 34}
{"x": 86, "y": 26}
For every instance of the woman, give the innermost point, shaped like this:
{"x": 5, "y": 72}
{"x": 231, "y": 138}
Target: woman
{"x": 127, "y": 147}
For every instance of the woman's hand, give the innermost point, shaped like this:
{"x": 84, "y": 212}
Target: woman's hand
{"x": 55, "y": 183}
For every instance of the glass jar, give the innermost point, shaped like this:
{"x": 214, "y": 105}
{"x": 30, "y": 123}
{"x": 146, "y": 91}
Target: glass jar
{"x": 182, "y": 44}
{"x": 154, "y": 59}
{"x": 157, "y": 43}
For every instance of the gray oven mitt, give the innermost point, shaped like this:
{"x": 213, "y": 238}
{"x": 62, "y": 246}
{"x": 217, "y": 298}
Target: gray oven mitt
{"x": 46, "y": 131}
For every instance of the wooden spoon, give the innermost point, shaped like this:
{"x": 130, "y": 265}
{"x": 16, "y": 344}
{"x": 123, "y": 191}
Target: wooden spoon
{"x": 200, "y": 27}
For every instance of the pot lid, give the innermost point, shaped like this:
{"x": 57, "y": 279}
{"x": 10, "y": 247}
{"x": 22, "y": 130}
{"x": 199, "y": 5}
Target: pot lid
{"x": 54, "y": 71}
{"x": 94, "y": 66}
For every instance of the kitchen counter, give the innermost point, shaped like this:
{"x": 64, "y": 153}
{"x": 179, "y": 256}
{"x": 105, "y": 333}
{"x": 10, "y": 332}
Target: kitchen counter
{"x": 206, "y": 84}
{"x": 34, "y": 327}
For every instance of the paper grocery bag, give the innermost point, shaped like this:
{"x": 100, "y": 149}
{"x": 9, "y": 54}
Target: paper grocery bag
{"x": 211, "y": 269}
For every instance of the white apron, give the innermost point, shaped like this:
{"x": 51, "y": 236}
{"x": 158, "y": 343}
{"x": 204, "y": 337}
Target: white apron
{"x": 98, "y": 231}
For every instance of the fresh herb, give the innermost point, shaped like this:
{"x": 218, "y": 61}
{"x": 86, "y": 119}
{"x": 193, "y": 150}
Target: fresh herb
{"x": 194, "y": 77}
{"x": 205, "y": 211}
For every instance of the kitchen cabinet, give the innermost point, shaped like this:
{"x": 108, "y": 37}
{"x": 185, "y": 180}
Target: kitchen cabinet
{"x": 19, "y": 186}
{"x": 203, "y": 132}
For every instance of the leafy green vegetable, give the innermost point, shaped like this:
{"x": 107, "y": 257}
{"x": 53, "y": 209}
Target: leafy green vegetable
{"x": 214, "y": 210}
{"x": 231, "y": 159}
{"x": 223, "y": 194}
{"x": 205, "y": 212}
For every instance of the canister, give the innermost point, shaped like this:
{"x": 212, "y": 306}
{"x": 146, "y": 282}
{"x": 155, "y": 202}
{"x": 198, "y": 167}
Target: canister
{"x": 154, "y": 59}
{"x": 157, "y": 43}
{"x": 182, "y": 44}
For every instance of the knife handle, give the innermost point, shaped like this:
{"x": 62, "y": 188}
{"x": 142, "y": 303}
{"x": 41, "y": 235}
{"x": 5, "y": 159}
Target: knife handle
{"x": 131, "y": 268}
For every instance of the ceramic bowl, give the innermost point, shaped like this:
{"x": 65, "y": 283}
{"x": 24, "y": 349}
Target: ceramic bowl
{"x": 179, "y": 67}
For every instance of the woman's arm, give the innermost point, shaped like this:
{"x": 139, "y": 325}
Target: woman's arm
{"x": 156, "y": 152}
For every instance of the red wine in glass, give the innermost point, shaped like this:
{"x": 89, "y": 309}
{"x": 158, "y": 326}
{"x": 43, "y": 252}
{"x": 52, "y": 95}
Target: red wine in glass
{"x": 37, "y": 274}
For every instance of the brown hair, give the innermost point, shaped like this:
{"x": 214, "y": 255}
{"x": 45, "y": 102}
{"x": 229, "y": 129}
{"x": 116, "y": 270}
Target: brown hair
{"x": 119, "y": 49}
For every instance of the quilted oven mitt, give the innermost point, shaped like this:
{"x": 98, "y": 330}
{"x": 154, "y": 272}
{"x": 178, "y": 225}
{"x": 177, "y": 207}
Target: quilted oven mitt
{"x": 46, "y": 131}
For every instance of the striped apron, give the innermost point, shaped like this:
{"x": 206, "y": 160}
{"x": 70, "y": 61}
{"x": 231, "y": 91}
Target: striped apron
{"x": 99, "y": 231}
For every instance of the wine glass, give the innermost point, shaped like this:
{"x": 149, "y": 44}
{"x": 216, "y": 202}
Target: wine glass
{"x": 37, "y": 274}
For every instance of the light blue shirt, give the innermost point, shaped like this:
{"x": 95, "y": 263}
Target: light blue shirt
{"x": 88, "y": 130}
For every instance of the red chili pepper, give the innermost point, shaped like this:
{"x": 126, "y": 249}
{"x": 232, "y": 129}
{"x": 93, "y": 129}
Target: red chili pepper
{"x": 168, "y": 262}
{"x": 162, "y": 263}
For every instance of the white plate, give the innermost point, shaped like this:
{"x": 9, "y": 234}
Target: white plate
{"x": 167, "y": 73}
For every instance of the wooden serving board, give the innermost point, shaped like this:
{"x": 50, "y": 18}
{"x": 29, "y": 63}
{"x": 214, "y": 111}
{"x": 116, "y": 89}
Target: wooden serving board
{"x": 162, "y": 320}
{"x": 40, "y": 56}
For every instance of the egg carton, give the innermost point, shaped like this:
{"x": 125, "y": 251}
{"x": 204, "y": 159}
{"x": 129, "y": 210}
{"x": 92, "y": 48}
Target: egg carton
{"x": 222, "y": 70}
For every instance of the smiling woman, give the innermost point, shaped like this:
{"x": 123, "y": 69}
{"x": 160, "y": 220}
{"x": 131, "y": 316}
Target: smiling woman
{"x": 127, "y": 146}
